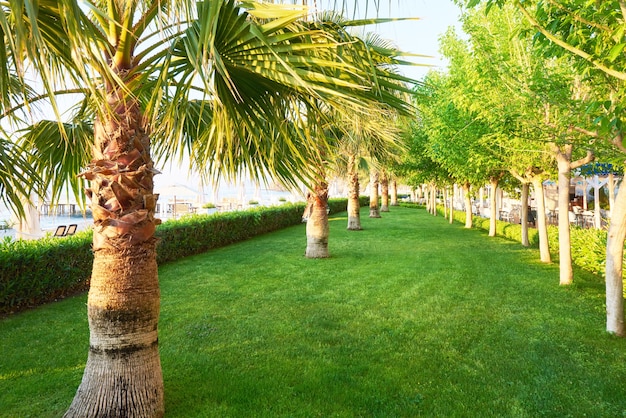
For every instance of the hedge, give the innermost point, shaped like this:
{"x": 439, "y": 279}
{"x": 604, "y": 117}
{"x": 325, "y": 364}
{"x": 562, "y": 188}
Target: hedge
{"x": 39, "y": 271}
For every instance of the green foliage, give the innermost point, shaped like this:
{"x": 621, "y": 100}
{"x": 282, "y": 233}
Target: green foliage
{"x": 35, "y": 272}
{"x": 199, "y": 233}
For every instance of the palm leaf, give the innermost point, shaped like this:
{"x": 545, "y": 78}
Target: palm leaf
{"x": 17, "y": 176}
{"x": 58, "y": 154}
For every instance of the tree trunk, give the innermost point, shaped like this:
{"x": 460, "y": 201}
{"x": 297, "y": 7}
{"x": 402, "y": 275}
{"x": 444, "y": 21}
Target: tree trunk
{"x": 452, "y": 206}
{"x": 542, "y": 226}
{"x": 468, "y": 206}
{"x": 354, "y": 207}
{"x": 374, "y": 211}
{"x": 445, "y": 202}
{"x": 566, "y": 274}
{"x": 394, "y": 192}
{"x": 493, "y": 181}
{"x": 597, "y": 215}
{"x": 384, "y": 192}
{"x": 122, "y": 377}
{"x": 610, "y": 184}
{"x": 565, "y": 166}
{"x": 614, "y": 266}
{"x": 433, "y": 199}
{"x": 524, "y": 214}
{"x": 317, "y": 230}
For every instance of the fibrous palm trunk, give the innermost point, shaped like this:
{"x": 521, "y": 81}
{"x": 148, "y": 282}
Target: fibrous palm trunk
{"x": 384, "y": 192}
{"x": 122, "y": 377}
{"x": 393, "y": 187}
{"x": 317, "y": 229}
{"x": 354, "y": 206}
{"x": 374, "y": 211}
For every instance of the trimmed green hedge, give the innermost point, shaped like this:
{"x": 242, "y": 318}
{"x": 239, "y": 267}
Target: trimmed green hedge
{"x": 39, "y": 271}
{"x": 588, "y": 245}
{"x": 32, "y": 272}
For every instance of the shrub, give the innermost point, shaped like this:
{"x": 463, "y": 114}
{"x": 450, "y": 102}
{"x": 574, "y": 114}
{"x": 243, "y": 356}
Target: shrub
{"x": 32, "y": 272}
{"x": 39, "y": 271}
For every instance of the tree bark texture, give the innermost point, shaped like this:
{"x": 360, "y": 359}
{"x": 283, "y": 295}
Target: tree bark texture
{"x": 433, "y": 199}
{"x": 374, "y": 210}
{"x": 384, "y": 192}
{"x": 614, "y": 266}
{"x": 122, "y": 377}
{"x": 452, "y": 206}
{"x": 354, "y": 207}
{"x": 469, "y": 221}
{"x": 493, "y": 181}
{"x": 610, "y": 183}
{"x": 524, "y": 214}
{"x": 393, "y": 189}
{"x": 566, "y": 274}
{"x": 542, "y": 226}
{"x": 317, "y": 229}
{"x": 565, "y": 166}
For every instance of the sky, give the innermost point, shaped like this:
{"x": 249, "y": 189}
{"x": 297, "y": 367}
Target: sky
{"x": 421, "y": 36}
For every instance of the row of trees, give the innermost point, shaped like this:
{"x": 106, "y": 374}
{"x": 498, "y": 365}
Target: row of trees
{"x": 522, "y": 102}
{"x": 234, "y": 85}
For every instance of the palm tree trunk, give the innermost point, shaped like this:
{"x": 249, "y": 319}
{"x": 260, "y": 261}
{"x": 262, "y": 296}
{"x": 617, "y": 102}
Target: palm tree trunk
{"x": 374, "y": 211}
{"x": 354, "y": 206}
{"x": 317, "y": 230}
{"x": 384, "y": 192}
{"x": 122, "y": 377}
{"x": 393, "y": 186}
{"x": 542, "y": 226}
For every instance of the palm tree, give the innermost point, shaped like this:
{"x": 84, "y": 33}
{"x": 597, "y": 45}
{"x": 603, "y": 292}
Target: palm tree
{"x": 217, "y": 79}
{"x": 343, "y": 127}
{"x": 373, "y": 135}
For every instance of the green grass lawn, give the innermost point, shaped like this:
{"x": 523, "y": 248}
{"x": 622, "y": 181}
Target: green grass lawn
{"x": 410, "y": 317}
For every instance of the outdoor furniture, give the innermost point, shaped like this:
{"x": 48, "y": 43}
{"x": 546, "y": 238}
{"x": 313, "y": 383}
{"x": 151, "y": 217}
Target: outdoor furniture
{"x": 60, "y": 232}
{"x": 588, "y": 219}
{"x": 65, "y": 231}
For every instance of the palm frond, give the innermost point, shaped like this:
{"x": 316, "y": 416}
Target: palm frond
{"x": 58, "y": 154}
{"x": 17, "y": 176}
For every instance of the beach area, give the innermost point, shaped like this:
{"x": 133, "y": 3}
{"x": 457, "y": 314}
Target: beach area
{"x": 171, "y": 206}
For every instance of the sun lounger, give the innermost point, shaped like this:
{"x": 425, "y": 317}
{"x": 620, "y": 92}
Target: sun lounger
{"x": 60, "y": 232}
{"x": 71, "y": 229}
